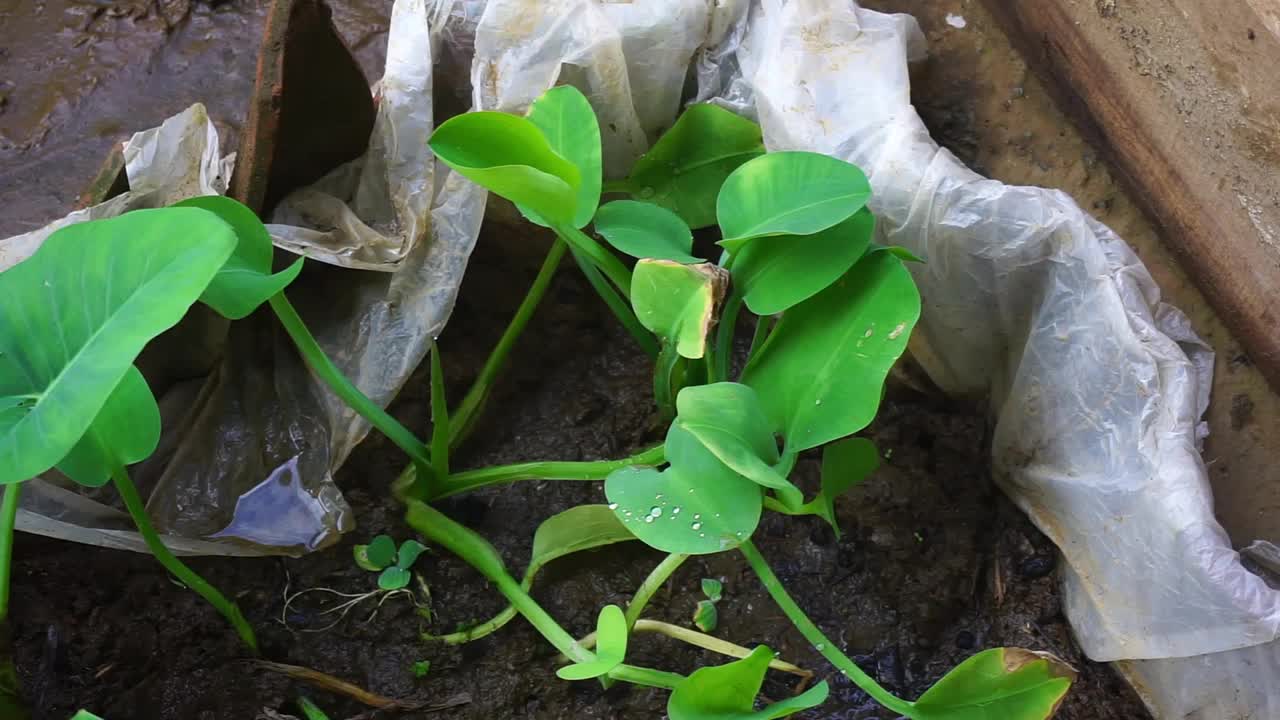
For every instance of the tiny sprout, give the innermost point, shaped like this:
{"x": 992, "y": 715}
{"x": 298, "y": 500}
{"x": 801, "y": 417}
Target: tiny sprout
{"x": 421, "y": 668}
{"x": 381, "y": 556}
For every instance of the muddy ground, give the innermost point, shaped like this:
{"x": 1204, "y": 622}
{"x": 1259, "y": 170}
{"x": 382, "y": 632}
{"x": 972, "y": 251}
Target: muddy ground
{"x": 934, "y": 564}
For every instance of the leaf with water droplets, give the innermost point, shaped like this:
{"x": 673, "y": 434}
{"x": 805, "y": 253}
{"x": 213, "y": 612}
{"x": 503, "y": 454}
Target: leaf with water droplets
{"x": 820, "y": 374}
{"x": 722, "y": 512}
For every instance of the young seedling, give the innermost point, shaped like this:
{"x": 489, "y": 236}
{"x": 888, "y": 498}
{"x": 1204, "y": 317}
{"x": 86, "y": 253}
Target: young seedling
{"x": 393, "y": 566}
{"x": 705, "y": 616}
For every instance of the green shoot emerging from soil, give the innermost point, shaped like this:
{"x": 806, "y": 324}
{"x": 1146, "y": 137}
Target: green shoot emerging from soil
{"x": 830, "y": 311}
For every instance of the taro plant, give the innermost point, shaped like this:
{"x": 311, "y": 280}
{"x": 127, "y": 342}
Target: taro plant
{"x": 829, "y": 310}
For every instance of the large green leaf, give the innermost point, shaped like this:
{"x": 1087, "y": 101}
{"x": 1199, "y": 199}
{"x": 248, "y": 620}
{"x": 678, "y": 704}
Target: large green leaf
{"x": 696, "y": 506}
{"x": 821, "y": 373}
{"x": 678, "y": 302}
{"x": 584, "y": 527}
{"x": 727, "y": 419}
{"x": 788, "y": 193}
{"x": 245, "y": 281}
{"x": 75, "y": 314}
{"x": 778, "y": 272}
{"x": 126, "y": 431}
{"x": 684, "y": 170}
{"x": 566, "y": 119}
{"x": 510, "y": 156}
{"x": 728, "y": 692}
{"x": 998, "y": 684}
{"x": 642, "y": 230}
{"x": 611, "y": 647}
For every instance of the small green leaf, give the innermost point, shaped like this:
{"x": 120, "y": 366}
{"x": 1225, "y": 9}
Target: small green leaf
{"x": 584, "y": 527}
{"x": 788, "y": 193}
{"x": 776, "y": 273}
{"x": 696, "y": 506}
{"x": 566, "y": 119}
{"x": 712, "y": 588}
{"x": 75, "y": 315}
{"x": 727, "y": 418}
{"x": 611, "y": 647}
{"x": 844, "y": 464}
{"x": 421, "y": 668}
{"x": 394, "y": 578}
{"x": 245, "y": 281}
{"x": 705, "y": 616}
{"x": 126, "y": 431}
{"x": 728, "y": 692}
{"x": 510, "y": 156}
{"x": 378, "y": 554}
{"x": 310, "y": 710}
{"x": 820, "y": 375}
{"x": 408, "y": 553}
{"x": 684, "y": 170}
{"x": 85, "y": 715}
{"x": 642, "y": 230}
{"x": 678, "y": 302}
{"x": 998, "y": 684}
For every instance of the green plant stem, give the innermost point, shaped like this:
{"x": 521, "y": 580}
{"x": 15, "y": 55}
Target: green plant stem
{"x": 724, "y": 336}
{"x": 656, "y": 579}
{"x": 815, "y": 637}
{"x": 764, "y": 324}
{"x": 465, "y": 415}
{"x": 341, "y": 386}
{"x": 702, "y": 640}
{"x": 478, "y": 553}
{"x": 600, "y": 257}
{"x": 617, "y": 304}
{"x": 8, "y": 518}
{"x": 468, "y": 480}
{"x": 663, "y": 370}
{"x": 138, "y": 511}
{"x": 439, "y": 417}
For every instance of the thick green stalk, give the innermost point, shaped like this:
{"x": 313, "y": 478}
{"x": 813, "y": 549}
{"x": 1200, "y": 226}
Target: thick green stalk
{"x": 815, "y": 637}
{"x": 663, "y": 370}
{"x": 553, "y": 470}
{"x": 617, "y": 304}
{"x": 439, "y": 417}
{"x": 479, "y": 554}
{"x": 763, "y": 325}
{"x": 341, "y": 386}
{"x": 600, "y": 257}
{"x": 724, "y": 336}
{"x": 133, "y": 503}
{"x": 651, "y": 584}
{"x": 8, "y": 518}
{"x": 465, "y": 415}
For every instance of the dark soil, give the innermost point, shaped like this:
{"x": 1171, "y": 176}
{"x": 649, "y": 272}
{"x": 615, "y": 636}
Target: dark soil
{"x": 934, "y": 564}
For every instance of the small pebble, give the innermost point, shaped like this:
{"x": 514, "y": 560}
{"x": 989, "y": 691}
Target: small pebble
{"x": 1036, "y": 566}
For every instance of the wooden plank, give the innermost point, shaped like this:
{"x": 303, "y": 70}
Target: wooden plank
{"x": 1184, "y": 97}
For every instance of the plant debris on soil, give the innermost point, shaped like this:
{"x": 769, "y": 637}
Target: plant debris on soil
{"x": 934, "y": 564}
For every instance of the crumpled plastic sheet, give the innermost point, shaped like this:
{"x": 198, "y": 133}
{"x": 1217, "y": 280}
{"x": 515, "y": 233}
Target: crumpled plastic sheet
{"x": 1031, "y": 306}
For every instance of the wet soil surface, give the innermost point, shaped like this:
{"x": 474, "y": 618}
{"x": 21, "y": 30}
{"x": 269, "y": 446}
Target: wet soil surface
{"x": 934, "y": 564}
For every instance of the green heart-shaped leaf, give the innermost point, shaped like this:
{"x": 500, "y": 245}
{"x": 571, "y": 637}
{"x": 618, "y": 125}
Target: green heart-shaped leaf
{"x": 788, "y": 193}
{"x": 727, "y": 418}
{"x": 998, "y": 684}
{"x": 566, "y": 119}
{"x": 75, "y": 315}
{"x": 378, "y": 554}
{"x": 678, "y": 302}
{"x": 705, "y": 616}
{"x": 394, "y": 578}
{"x": 642, "y": 230}
{"x": 611, "y": 647}
{"x": 510, "y": 156}
{"x": 696, "y": 506}
{"x": 778, "y": 272}
{"x": 126, "y": 431}
{"x": 408, "y": 553}
{"x": 245, "y": 281}
{"x": 684, "y": 170}
{"x": 728, "y": 692}
{"x": 820, "y": 375}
